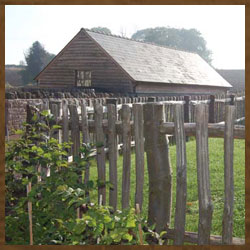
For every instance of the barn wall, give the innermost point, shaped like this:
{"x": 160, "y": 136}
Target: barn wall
{"x": 175, "y": 89}
{"x": 84, "y": 54}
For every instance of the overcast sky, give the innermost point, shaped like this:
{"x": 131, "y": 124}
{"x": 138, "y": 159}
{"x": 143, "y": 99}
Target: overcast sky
{"x": 222, "y": 26}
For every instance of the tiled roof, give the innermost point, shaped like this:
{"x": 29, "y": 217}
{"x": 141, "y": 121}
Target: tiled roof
{"x": 147, "y": 62}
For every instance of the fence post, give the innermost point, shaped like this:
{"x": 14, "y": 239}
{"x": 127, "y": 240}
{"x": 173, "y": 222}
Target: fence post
{"x": 112, "y": 145}
{"x": 159, "y": 168}
{"x": 85, "y": 137}
{"x": 211, "y": 109}
{"x": 139, "y": 152}
{"x": 205, "y": 203}
{"x": 126, "y": 150}
{"x": 186, "y": 108}
{"x": 55, "y": 110}
{"x": 227, "y": 224}
{"x": 75, "y": 131}
{"x": 232, "y": 100}
{"x": 100, "y": 151}
{"x": 151, "y": 99}
{"x": 65, "y": 121}
{"x": 181, "y": 175}
{"x": 186, "y": 111}
{"x": 111, "y": 101}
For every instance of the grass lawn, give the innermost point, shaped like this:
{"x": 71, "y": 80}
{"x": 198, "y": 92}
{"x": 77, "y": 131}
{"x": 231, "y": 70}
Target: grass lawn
{"x": 216, "y": 164}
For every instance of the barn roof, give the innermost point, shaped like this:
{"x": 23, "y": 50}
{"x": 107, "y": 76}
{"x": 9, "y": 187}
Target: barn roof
{"x": 147, "y": 62}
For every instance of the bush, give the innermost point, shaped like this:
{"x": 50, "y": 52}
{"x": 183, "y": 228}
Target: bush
{"x": 56, "y": 196}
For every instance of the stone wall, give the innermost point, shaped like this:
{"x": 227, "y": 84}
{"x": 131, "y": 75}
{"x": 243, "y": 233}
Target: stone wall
{"x": 16, "y": 113}
{"x": 16, "y": 110}
{"x": 38, "y": 93}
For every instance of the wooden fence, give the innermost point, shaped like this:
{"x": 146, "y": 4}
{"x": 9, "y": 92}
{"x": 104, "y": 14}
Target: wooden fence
{"x": 145, "y": 126}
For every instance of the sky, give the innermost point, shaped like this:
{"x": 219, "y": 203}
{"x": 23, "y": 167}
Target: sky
{"x": 222, "y": 26}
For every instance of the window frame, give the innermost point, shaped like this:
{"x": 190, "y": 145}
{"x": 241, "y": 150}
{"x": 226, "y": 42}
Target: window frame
{"x": 83, "y": 78}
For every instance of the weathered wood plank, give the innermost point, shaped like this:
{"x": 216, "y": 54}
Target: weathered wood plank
{"x": 214, "y": 130}
{"x": 55, "y": 110}
{"x": 112, "y": 145}
{"x": 65, "y": 121}
{"x": 75, "y": 130}
{"x": 28, "y": 187}
{"x": 85, "y": 126}
{"x": 139, "y": 153}
{"x": 100, "y": 151}
{"x": 159, "y": 168}
{"x": 211, "y": 109}
{"x": 186, "y": 108}
{"x": 85, "y": 136}
{"x": 205, "y": 203}
{"x": 126, "y": 115}
{"x": 181, "y": 175}
{"x": 227, "y": 223}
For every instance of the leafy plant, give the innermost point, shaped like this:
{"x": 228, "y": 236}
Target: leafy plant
{"x": 58, "y": 191}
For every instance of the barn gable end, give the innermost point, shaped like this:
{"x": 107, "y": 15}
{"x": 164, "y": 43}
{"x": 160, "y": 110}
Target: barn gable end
{"x": 83, "y": 54}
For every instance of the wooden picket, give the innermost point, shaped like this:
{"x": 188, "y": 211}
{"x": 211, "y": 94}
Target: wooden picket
{"x": 204, "y": 194}
{"x": 112, "y": 145}
{"x": 181, "y": 175}
{"x": 139, "y": 153}
{"x": 227, "y": 229}
{"x": 126, "y": 128}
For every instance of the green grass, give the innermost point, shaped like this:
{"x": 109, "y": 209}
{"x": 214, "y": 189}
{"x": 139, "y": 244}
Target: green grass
{"x": 216, "y": 165}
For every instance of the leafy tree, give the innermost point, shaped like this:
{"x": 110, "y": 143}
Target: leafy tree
{"x": 186, "y": 39}
{"x": 101, "y": 29}
{"x": 36, "y": 59}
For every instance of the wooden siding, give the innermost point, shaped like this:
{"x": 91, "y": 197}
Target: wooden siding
{"x": 162, "y": 88}
{"x": 84, "y": 54}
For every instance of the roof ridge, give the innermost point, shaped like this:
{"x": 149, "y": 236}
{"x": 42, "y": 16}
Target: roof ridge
{"x": 130, "y": 39}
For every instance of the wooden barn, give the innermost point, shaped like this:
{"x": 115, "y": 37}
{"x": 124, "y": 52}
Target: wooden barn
{"x": 117, "y": 64}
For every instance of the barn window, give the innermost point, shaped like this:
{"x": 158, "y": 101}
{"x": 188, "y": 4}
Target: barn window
{"x": 83, "y": 78}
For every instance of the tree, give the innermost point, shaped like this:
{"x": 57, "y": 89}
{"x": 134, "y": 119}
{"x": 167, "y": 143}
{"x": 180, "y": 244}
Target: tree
{"x": 102, "y": 30}
{"x": 186, "y": 39}
{"x": 36, "y": 59}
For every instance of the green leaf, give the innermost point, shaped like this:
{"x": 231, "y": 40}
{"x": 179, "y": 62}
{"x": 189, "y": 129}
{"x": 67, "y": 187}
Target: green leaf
{"x": 62, "y": 188}
{"x": 48, "y": 156}
{"x": 99, "y": 228}
{"x": 19, "y": 132}
{"x": 79, "y": 228}
{"x": 106, "y": 219}
{"x": 115, "y": 236}
{"x": 25, "y": 181}
{"x": 130, "y": 223}
{"x": 35, "y": 117}
{"x": 111, "y": 225}
{"x": 162, "y": 233}
{"x": 34, "y": 148}
{"x": 45, "y": 112}
{"x": 127, "y": 236}
{"x": 56, "y": 127}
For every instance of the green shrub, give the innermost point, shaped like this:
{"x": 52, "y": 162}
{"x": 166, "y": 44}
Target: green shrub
{"x": 56, "y": 197}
